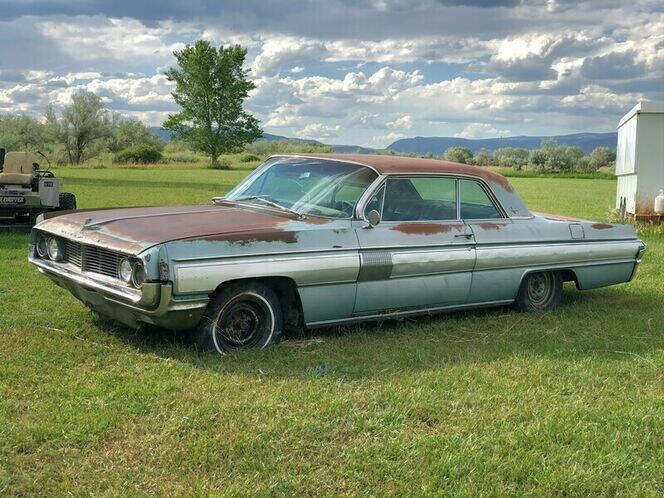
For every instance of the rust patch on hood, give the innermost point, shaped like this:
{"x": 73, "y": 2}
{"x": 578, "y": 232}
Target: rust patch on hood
{"x": 133, "y": 230}
{"x": 601, "y": 226}
{"x": 426, "y": 228}
{"x": 248, "y": 238}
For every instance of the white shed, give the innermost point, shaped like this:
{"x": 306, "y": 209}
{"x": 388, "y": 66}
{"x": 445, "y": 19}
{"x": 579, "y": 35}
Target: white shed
{"x": 640, "y": 157}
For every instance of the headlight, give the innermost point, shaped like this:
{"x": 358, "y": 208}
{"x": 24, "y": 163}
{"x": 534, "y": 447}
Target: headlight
{"x": 41, "y": 247}
{"x": 54, "y": 249}
{"x": 138, "y": 275}
{"x": 125, "y": 271}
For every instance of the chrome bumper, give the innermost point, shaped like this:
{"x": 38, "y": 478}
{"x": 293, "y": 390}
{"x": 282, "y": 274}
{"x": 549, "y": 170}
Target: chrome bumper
{"x": 154, "y": 303}
{"x": 639, "y": 257}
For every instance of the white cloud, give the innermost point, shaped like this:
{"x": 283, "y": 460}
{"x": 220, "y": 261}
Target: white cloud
{"x": 404, "y": 122}
{"x": 318, "y": 131}
{"x": 481, "y": 130}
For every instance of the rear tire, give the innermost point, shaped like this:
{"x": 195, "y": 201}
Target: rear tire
{"x": 242, "y": 315}
{"x": 540, "y": 291}
{"x": 67, "y": 202}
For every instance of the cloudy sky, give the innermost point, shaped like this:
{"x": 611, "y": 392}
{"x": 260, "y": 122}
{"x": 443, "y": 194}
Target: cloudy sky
{"x": 352, "y": 71}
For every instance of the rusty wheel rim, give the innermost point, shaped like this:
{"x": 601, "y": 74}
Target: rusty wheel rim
{"x": 242, "y": 323}
{"x": 540, "y": 288}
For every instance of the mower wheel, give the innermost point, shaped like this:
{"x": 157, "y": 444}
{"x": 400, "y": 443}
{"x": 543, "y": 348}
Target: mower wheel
{"x": 67, "y": 201}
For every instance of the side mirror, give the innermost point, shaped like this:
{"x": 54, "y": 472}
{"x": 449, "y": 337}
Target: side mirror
{"x": 2, "y": 158}
{"x": 373, "y": 217}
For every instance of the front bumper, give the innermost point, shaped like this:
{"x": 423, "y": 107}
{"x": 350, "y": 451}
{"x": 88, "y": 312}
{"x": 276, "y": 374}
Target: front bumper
{"x": 154, "y": 303}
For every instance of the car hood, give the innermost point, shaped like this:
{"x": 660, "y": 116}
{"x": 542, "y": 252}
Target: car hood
{"x": 133, "y": 230}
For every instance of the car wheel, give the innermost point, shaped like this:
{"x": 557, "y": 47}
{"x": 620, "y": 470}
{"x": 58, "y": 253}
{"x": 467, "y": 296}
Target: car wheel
{"x": 67, "y": 202}
{"x": 540, "y": 291}
{"x": 243, "y": 315}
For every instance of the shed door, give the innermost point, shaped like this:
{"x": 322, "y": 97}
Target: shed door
{"x": 420, "y": 255}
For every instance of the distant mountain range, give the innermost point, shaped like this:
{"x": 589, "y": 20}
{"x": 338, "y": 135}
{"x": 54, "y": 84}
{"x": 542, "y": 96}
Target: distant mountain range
{"x": 437, "y": 145}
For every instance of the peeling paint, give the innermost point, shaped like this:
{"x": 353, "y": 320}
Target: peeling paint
{"x": 426, "y": 228}
{"x": 601, "y": 226}
{"x": 491, "y": 226}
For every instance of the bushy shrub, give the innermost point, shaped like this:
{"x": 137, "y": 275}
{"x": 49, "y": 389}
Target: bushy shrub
{"x": 536, "y": 158}
{"x": 483, "y": 157}
{"x": 602, "y": 156}
{"x": 220, "y": 164}
{"x": 459, "y": 155}
{"x": 143, "y": 154}
{"x": 584, "y": 165}
{"x": 512, "y": 157}
{"x": 249, "y": 158}
{"x": 558, "y": 158}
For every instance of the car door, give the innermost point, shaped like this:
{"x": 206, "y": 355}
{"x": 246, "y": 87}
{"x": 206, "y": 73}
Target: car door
{"x": 420, "y": 255}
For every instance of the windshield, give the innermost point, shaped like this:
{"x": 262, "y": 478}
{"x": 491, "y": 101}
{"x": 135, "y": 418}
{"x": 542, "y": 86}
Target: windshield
{"x": 307, "y": 186}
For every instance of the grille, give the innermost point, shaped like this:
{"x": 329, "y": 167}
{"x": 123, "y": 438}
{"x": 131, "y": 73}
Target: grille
{"x": 74, "y": 253}
{"x": 101, "y": 261}
{"x": 92, "y": 259}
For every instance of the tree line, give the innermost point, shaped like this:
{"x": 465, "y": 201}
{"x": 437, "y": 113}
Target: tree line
{"x": 81, "y": 131}
{"x": 551, "y": 157}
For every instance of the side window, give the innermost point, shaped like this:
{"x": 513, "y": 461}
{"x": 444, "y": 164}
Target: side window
{"x": 475, "y": 203}
{"x": 420, "y": 199}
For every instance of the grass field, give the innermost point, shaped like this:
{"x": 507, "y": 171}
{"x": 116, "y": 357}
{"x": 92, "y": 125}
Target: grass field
{"x": 487, "y": 402}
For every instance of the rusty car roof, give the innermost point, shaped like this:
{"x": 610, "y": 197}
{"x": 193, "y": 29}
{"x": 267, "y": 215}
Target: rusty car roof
{"x": 400, "y": 164}
{"x": 386, "y": 164}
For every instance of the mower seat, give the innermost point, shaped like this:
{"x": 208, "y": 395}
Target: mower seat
{"x": 18, "y": 169}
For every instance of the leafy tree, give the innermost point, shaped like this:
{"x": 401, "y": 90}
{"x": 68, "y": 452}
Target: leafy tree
{"x": 128, "y": 133}
{"x": 458, "y": 155}
{"x": 584, "y": 165}
{"x": 83, "y": 124}
{"x": 602, "y": 156}
{"x": 513, "y": 157}
{"x": 556, "y": 157}
{"x": 483, "y": 157}
{"x": 537, "y": 158}
{"x": 21, "y": 133}
{"x": 210, "y": 87}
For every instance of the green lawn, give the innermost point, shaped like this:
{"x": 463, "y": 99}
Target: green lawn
{"x": 487, "y": 402}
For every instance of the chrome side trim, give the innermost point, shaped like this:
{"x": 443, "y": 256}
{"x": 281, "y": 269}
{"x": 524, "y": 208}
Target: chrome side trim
{"x": 334, "y": 268}
{"x": 404, "y": 313}
{"x": 394, "y": 247}
{"x": 500, "y": 257}
{"x": 449, "y": 259}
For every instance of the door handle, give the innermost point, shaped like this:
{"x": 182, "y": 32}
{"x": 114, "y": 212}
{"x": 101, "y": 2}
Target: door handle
{"x": 464, "y": 235}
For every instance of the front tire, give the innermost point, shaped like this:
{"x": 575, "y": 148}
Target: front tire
{"x": 540, "y": 291}
{"x": 241, "y": 316}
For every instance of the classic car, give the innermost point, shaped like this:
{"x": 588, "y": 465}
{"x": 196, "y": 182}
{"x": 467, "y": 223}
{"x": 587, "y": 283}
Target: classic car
{"x": 324, "y": 239}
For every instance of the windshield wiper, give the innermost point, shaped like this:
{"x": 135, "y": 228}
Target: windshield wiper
{"x": 266, "y": 201}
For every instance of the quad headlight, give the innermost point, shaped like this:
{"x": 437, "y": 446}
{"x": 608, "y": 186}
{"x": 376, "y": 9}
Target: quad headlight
{"x": 54, "y": 249}
{"x": 132, "y": 272}
{"x": 41, "y": 247}
{"x": 138, "y": 275}
{"x": 125, "y": 271}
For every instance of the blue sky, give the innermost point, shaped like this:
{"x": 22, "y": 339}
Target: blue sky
{"x": 352, "y": 71}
